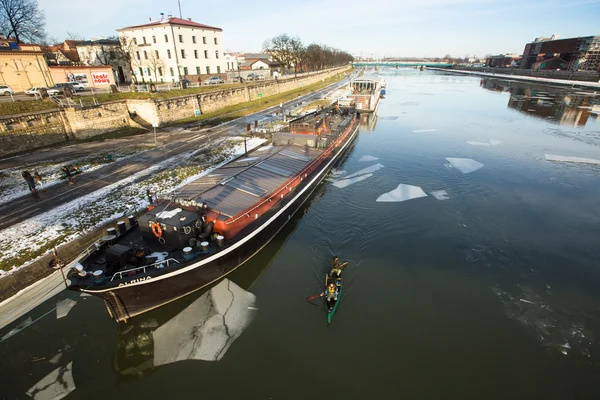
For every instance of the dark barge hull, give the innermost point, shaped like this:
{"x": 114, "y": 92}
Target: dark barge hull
{"x": 146, "y": 293}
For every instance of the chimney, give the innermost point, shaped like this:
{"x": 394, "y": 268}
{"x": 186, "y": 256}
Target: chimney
{"x": 150, "y": 18}
{"x": 189, "y": 19}
{"x": 170, "y": 16}
{"x": 162, "y": 16}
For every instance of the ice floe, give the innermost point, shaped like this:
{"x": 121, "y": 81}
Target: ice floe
{"x": 402, "y": 193}
{"x": 440, "y": 194}
{"x": 337, "y": 172}
{"x": 368, "y": 158}
{"x": 367, "y": 170}
{"x": 581, "y": 160}
{"x": 18, "y": 328}
{"x": 207, "y": 327}
{"x": 389, "y": 117}
{"x": 56, "y": 358}
{"x": 63, "y": 307}
{"x": 56, "y": 385}
{"x": 472, "y": 143}
{"x": 347, "y": 182}
{"x": 495, "y": 142}
{"x": 424, "y": 130}
{"x": 465, "y": 165}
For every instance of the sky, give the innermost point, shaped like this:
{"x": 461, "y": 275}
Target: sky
{"x": 374, "y": 28}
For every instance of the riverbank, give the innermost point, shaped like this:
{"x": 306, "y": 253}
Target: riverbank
{"x": 567, "y": 82}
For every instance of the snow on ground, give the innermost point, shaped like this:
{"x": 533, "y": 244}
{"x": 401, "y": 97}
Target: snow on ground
{"x": 36, "y": 235}
{"x": 402, "y": 193}
{"x": 14, "y": 186}
{"x": 553, "y": 157}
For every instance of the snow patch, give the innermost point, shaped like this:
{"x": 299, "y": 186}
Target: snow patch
{"x": 402, "y": 193}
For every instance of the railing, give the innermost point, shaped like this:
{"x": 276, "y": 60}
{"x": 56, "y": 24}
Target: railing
{"x": 168, "y": 262}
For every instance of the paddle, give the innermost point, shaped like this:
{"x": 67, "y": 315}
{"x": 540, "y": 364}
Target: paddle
{"x": 313, "y": 297}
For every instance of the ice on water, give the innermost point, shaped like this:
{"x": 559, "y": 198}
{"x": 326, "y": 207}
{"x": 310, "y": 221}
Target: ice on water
{"x": 424, "y": 130}
{"x": 472, "y": 143}
{"x": 495, "y": 142}
{"x": 402, "y": 193}
{"x": 367, "y": 170}
{"x": 389, "y": 117}
{"x": 368, "y": 158}
{"x": 465, "y": 165}
{"x": 63, "y": 307}
{"x": 581, "y": 160}
{"x": 347, "y": 182}
{"x": 207, "y": 327}
{"x": 56, "y": 385}
{"x": 440, "y": 194}
{"x": 337, "y": 172}
{"x": 18, "y": 328}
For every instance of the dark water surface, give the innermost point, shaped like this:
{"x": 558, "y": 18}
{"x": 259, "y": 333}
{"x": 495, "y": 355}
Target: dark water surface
{"x": 491, "y": 293}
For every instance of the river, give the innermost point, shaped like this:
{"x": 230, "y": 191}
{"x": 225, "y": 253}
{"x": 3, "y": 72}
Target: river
{"x": 486, "y": 290}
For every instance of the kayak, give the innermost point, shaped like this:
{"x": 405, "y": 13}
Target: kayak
{"x": 331, "y": 309}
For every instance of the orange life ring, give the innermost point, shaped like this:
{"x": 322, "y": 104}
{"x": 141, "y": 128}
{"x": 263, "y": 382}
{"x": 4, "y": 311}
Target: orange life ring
{"x": 157, "y": 230}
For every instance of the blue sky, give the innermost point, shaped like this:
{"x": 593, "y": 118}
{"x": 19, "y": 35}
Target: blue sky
{"x": 422, "y": 28}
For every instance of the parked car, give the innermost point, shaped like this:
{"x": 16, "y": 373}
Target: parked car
{"x": 215, "y": 80}
{"x": 255, "y": 77}
{"x": 182, "y": 83}
{"x": 75, "y": 86}
{"x": 78, "y": 87}
{"x": 54, "y": 91}
{"x": 34, "y": 90}
{"x": 5, "y": 90}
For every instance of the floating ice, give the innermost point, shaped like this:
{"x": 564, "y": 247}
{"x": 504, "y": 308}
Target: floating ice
{"x": 347, "y": 182}
{"x": 390, "y": 117}
{"x": 207, "y": 327}
{"x": 367, "y": 170}
{"x": 337, "y": 172}
{"x": 56, "y": 358}
{"x": 63, "y": 307}
{"x": 552, "y": 157}
{"x": 402, "y": 193}
{"x": 495, "y": 142}
{"x": 368, "y": 158}
{"x": 464, "y": 165}
{"x": 440, "y": 194}
{"x": 18, "y": 328}
{"x": 56, "y": 385}
{"x": 478, "y": 143}
{"x": 424, "y": 130}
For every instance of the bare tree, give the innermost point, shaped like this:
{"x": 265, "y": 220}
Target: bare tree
{"x": 280, "y": 49}
{"x": 129, "y": 53}
{"x": 75, "y": 36}
{"x": 22, "y": 19}
{"x": 154, "y": 64}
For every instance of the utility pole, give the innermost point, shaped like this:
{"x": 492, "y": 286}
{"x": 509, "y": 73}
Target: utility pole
{"x": 179, "y": 4}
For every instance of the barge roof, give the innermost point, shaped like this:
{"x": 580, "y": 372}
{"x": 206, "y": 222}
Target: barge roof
{"x": 236, "y": 186}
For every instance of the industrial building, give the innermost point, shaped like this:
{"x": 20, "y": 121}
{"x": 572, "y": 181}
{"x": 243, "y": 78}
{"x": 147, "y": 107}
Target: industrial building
{"x": 573, "y": 54}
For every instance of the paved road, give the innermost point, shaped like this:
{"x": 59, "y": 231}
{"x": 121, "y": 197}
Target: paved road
{"x": 177, "y": 140}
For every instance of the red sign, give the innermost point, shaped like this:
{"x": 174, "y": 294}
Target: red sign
{"x": 100, "y": 78}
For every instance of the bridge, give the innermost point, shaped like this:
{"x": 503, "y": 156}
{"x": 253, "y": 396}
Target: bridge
{"x": 417, "y": 63}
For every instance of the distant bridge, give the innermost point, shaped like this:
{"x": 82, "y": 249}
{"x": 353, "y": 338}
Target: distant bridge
{"x": 400, "y": 64}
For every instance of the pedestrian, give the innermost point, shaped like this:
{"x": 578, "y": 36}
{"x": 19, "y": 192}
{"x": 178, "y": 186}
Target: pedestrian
{"x": 281, "y": 108}
{"x": 38, "y": 179}
{"x": 66, "y": 170}
{"x": 30, "y": 182}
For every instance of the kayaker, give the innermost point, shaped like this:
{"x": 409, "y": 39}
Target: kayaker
{"x": 331, "y": 294}
{"x": 335, "y": 261}
{"x": 336, "y": 273}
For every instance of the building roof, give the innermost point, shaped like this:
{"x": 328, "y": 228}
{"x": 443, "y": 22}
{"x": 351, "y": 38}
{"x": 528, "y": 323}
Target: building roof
{"x": 172, "y": 21}
{"x": 256, "y": 56}
{"x": 100, "y": 42}
{"x": 251, "y": 63}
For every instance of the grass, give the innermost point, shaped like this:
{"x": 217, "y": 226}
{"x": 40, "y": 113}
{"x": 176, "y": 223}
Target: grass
{"x": 251, "y": 107}
{"x": 22, "y": 107}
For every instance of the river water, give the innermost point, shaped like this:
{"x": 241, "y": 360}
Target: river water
{"x": 486, "y": 290}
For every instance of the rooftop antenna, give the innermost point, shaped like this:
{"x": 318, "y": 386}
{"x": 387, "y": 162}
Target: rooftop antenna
{"x": 179, "y": 4}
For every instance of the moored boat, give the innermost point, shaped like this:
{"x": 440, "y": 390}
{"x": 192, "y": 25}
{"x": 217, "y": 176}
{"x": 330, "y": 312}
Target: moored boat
{"x": 214, "y": 224}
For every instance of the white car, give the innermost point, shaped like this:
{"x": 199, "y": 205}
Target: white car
{"x": 34, "y": 90}
{"x": 6, "y": 90}
{"x": 78, "y": 87}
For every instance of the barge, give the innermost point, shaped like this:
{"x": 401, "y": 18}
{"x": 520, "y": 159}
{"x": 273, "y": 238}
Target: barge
{"x": 213, "y": 225}
{"x": 364, "y": 94}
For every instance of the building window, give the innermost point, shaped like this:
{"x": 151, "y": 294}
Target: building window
{"x": 208, "y": 70}
{"x": 159, "y": 71}
{"x": 217, "y": 54}
{"x": 185, "y": 70}
{"x": 182, "y": 53}
{"x": 216, "y": 41}
{"x": 148, "y": 71}
{"x": 205, "y": 53}
{"x": 218, "y": 69}
{"x": 172, "y": 72}
{"x": 141, "y": 72}
{"x": 180, "y": 38}
{"x": 194, "y": 39}
{"x": 195, "y": 53}
{"x": 153, "y": 39}
{"x": 144, "y": 39}
{"x": 137, "y": 53}
{"x": 145, "y": 55}
{"x": 197, "y": 70}
{"x": 156, "y": 54}
{"x": 166, "y": 39}
{"x": 135, "y": 41}
{"x": 168, "y": 53}
{"x": 204, "y": 39}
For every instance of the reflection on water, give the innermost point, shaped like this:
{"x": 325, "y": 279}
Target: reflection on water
{"x": 554, "y": 104}
{"x": 203, "y": 330}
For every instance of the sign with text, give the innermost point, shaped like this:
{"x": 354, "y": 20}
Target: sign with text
{"x": 100, "y": 78}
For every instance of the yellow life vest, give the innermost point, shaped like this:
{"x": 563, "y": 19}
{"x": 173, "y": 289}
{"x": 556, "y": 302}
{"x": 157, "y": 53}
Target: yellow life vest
{"x": 331, "y": 289}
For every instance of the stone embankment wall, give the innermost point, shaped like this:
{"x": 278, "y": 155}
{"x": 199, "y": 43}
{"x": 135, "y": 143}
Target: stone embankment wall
{"x": 29, "y": 131}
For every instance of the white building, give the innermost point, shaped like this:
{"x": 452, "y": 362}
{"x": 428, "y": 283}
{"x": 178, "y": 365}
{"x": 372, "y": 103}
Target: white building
{"x": 105, "y": 52}
{"x": 169, "y": 49}
{"x": 231, "y": 61}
